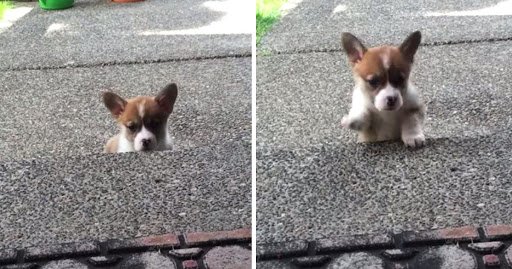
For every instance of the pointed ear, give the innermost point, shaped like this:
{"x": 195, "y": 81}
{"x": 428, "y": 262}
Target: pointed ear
{"x": 410, "y": 45}
{"x": 114, "y": 103}
{"x": 167, "y": 96}
{"x": 353, "y": 47}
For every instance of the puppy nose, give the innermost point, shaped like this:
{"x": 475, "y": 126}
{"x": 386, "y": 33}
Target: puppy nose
{"x": 391, "y": 100}
{"x": 146, "y": 142}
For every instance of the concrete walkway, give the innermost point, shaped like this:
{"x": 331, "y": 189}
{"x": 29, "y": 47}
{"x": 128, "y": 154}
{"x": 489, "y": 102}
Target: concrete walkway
{"x": 315, "y": 182}
{"x": 97, "y": 32}
{"x": 57, "y": 186}
{"x": 317, "y": 25}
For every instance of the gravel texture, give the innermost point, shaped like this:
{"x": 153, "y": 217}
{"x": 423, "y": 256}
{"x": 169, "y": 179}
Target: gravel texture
{"x": 54, "y": 199}
{"x": 99, "y": 32}
{"x": 60, "y": 112}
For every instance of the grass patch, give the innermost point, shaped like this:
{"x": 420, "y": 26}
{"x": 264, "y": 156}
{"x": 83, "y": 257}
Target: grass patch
{"x": 4, "y": 6}
{"x": 267, "y": 13}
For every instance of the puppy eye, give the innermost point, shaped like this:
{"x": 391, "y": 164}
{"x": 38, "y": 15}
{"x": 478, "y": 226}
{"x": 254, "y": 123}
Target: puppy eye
{"x": 374, "y": 82}
{"x": 152, "y": 123}
{"x": 132, "y": 127}
{"x": 397, "y": 80}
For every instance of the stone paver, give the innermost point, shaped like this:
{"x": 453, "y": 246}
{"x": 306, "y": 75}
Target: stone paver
{"x": 356, "y": 260}
{"x": 65, "y": 264}
{"x": 186, "y": 253}
{"x": 446, "y": 257}
{"x": 148, "y": 260}
{"x": 234, "y": 257}
{"x": 508, "y": 256}
{"x": 487, "y": 247}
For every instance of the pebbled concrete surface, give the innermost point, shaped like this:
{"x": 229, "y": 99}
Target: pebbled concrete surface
{"x": 57, "y": 199}
{"x": 314, "y": 181}
{"x": 97, "y": 31}
{"x": 317, "y": 25}
{"x": 55, "y": 184}
{"x": 60, "y": 112}
{"x": 302, "y": 98}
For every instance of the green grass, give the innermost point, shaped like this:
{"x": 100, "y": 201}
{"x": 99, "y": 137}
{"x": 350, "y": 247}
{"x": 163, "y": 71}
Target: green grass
{"x": 4, "y": 5}
{"x": 267, "y": 13}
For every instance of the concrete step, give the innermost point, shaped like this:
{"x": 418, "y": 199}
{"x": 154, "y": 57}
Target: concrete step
{"x": 96, "y": 31}
{"x": 56, "y": 199}
{"x": 59, "y": 112}
{"x": 341, "y": 189}
{"x": 317, "y": 25}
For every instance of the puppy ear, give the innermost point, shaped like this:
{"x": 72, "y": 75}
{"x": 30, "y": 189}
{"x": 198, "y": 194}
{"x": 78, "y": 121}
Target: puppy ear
{"x": 167, "y": 96}
{"x": 114, "y": 103}
{"x": 410, "y": 45}
{"x": 353, "y": 47}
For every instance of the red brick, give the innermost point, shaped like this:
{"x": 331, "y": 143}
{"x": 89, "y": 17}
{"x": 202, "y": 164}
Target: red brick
{"x": 190, "y": 264}
{"x": 466, "y": 233}
{"x": 200, "y": 238}
{"x": 491, "y": 260}
{"x": 498, "y": 231}
{"x": 166, "y": 239}
{"x": 458, "y": 233}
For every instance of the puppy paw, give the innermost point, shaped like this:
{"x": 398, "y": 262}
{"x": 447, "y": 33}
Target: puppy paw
{"x": 353, "y": 123}
{"x": 414, "y": 141}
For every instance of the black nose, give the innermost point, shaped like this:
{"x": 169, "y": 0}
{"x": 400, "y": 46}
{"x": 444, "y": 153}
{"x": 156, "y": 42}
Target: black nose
{"x": 391, "y": 100}
{"x": 146, "y": 142}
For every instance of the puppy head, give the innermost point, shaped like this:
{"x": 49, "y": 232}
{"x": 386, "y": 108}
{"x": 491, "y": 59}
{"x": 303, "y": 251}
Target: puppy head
{"x": 382, "y": 71}
{"x": 143, "y": 119}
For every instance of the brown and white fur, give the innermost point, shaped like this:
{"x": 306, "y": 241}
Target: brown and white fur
{"x": 143, "y": 121}
{"x": 385, "y": 104}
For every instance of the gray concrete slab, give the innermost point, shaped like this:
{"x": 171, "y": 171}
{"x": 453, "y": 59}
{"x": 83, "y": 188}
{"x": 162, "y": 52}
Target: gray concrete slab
{"x": 317, "y": 25}
{"x": 97, "y": 31}
{"x": 58, "y": 199}
{"x": 60, "y": 112}
{"x": 315, "y": 181}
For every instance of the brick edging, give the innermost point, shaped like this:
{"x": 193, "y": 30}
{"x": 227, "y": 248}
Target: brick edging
{"x": 121, "y": 246}
{"x": 402, "y": 240}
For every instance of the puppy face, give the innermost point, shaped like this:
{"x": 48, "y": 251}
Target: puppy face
{"x": 143, "y": 119}
{"x": 383, "y": 71}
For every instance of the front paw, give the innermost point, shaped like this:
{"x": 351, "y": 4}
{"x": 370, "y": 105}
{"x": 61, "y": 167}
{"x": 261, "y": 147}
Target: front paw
{"x": 414, "y": 141}
{"x": 357, "y": 124}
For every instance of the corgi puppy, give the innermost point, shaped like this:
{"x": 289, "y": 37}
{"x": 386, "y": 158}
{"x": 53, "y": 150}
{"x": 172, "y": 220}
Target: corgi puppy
{"x": 142, "y": 120}
{"x": 385, "y": 104}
